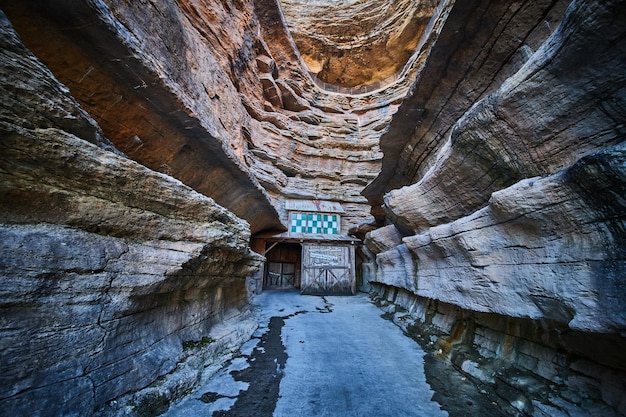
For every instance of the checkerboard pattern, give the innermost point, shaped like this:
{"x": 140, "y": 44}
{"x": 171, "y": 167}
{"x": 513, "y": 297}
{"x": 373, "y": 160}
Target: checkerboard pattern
{"x": 327, "y": 224}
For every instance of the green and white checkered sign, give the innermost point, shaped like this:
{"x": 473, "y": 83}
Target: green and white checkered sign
{"x": 327, "y": 224}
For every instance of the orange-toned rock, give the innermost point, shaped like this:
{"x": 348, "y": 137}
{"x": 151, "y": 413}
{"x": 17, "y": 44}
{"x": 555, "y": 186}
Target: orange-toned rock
{"x": 94, "y": 250}
{"x": 354, "y": 43}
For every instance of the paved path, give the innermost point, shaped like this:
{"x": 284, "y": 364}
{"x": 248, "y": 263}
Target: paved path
{"x": 318, "y": 356}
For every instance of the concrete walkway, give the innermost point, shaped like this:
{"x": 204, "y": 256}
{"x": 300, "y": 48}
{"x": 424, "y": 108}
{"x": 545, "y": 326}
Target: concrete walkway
{"x": 318, "y": 356}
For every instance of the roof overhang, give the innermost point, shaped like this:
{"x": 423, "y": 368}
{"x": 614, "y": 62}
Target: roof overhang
{"x": 318, "y": 206}
{"x": 306, "y": 238}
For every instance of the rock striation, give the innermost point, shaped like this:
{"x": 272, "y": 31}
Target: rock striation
{"x": 507, "y": 211}
{"x": 110, "y": 272}
{"x": 534, "y": 251}
{"x": 509, "y": 134}
{"x": 236, "y": 116}
{"x": 175, "y": 113}
{"x": 354, "y": 43}
{"x": 483, "y": 172}
{"x": 478, "y": 147}
{"x": 165, "y": 264}
{"x": 479, "y": 46}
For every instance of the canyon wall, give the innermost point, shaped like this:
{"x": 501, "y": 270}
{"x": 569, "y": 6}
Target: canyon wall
{"x": 215, "y": 95}
{"x": 356, "y": 43}
{"x": 114, "y": 276}
{"x": 506, "y": 208}
{"x": 103, "y": 249}
{"x": 144, "y": 142}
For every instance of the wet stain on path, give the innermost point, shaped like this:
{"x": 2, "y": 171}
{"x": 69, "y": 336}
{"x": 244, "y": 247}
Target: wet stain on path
{"x": 267, "y": 363}
{"x": 353, "y": 363}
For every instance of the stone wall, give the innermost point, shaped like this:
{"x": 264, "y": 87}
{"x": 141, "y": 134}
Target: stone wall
{"x": 527, "y": 367}
{"x": 156, "y": 90}
{"x": 480, "y": 45}
{"x": 545, "y": 248}
{"x": 501, "y": 187}
{"x": 351, "y": 43}
{"x": 115, "y": 278}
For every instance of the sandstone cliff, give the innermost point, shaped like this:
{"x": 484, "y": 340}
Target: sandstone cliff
{"x": 507, "y": 208}
{"x": 110, "y": 271}
{"x": 357, "y": 43}
{"x": 493, "y": 153}
{"x": 215, "y": 95}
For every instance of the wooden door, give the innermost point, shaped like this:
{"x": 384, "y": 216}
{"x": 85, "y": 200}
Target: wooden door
{"x": 328, "y": 270}
{"x": 282, "y": 269}
{"x": 280, "y": 275}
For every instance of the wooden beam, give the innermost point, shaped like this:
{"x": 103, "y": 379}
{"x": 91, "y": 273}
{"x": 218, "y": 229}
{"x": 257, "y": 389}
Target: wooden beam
{"x": 271, "y": 247}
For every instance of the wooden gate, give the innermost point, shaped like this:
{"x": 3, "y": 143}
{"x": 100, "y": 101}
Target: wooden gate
{"x": 328, "y": 270}
{"x": 282, "y": 270}
{"x": 280, "y": 275}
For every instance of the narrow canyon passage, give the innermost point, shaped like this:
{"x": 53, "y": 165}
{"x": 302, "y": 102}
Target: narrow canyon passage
{"x": 175, "y": 176}
{"x": 324, "y": 356}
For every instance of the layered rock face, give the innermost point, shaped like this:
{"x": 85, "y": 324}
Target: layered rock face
{"x": 353, "y": 43}
{"x": 113, "y": 275}
{"x": 143, "y": 277}
{"x": 145, "y": 76}
{"x": 495, "y": 159}
{"x": 216, "y": 96}
{"x": 507, "y": 206}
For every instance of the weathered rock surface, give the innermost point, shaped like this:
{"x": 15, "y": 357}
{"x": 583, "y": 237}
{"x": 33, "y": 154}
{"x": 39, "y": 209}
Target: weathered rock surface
{"x": 110, "y": 271}
{"x": 235, "y": 116}
{"x": 356, "y": 42}
{"x": 509, "y": 193}
{"x": 546, "y": 248}
{"x": 479, "y": 46}
{"x": 519, "y": 131}
{"x": 527, "y": 367}
{"x": 541, "y": 248}
{"x": 502, "y": 183}
{"x": 173, "y": 112}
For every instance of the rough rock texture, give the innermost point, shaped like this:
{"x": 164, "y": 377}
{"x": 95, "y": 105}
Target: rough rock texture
{"x": 176, "y": 113}
{"x": 355, "y": 42}
{"x": 110, "y": 271}
{"x": 511, "y": 134}
{"x": 540, "y": 231}
{"x": 332, "y": 139}
{"x": 528, "y": 367}
{"x": 214, "y": 95}
{"x": 546, "y": 248}
{"x": 500, "y": 190}
{"x": 479, "y": 46}
{"x": 509, "y": 195}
